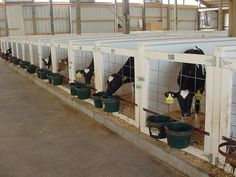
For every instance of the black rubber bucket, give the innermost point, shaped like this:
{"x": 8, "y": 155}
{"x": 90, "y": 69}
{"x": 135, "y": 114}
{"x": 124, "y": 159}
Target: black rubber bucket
{"x": 73, "y": 86}
{"x": 97, "y": 99}
{"x": 16, "y": 61}
{"x": 112, "y": 103}
{"x": 31, "y": 68}
{"x": 178, "y": 134}
{"x": 57, "y": 79}
{"x": 156, "y": 125}
{"x": 43, "y": 73}
{"x": 24, "y": 64}
{"x": 83, "y": 92}
{"x": 37, "y": 71}
{"x": 49, "y": 76}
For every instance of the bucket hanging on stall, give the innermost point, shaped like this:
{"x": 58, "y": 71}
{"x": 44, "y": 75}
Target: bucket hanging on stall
{"x": 178, "y": 134}
{"x": 57, "y": 79}
{"x": 112, "y": 103}
{"x": 156, "y": 125}
{"x": 73, "y": 86}
{"x": 83, "y": 92}
{"x": 97, "y": 99}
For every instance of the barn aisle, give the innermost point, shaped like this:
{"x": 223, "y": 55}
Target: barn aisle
{"x": 42, "y": 137}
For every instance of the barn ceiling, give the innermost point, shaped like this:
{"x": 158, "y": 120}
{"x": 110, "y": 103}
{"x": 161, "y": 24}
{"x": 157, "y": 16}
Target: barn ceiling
{"x": 214, "y": 3}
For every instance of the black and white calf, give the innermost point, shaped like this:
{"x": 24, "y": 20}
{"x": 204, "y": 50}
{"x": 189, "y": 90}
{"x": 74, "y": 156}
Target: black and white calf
{"x": 124, "y": 75}
{"x": 87, "y": 72}
{"x": 48, "y": 61}
{"x": 7, "y": 54}
{"x": 191, "y": 81}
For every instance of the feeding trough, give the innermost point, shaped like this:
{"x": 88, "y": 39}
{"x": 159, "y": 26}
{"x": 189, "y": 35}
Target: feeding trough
{"x": 156, "y": 125}
{"x": 178, "y": 134}
{"x": 97, "y": 99}
{"x": 112, "y": 103}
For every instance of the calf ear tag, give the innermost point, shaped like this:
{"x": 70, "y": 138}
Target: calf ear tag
{"x": 198, "y": 95}
{"x": 110, "y": 78}
{"x": 124, "y": 78}
{"x": 169, "y": 99}
{"x": 86, "y": 70}
{"x": 78, "y": 75}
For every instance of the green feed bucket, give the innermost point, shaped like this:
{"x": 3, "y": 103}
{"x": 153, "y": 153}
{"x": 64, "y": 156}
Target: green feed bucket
{"x": 24, "y": 64}
{"x": 72, "y": 87}
{"x": 83, "y": 92}
{"x": 178, "y": 134}
{"x": 43, "y": 73}
{"x": 112, "y": 103}
{"x": 49, "y": 76}
{"x": 16, "y": 61}
{"x": 97, "y": 99}
{"x": 57, "y": 79}
{"x": 31, "y": 69}
{"x": 156, "y": 125}
{"x": 37, "y": 71}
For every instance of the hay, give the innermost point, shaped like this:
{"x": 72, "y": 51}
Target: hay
{"x": 126, "y": 108}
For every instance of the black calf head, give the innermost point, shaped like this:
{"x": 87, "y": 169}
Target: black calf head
{"x": 48, "y": 61}
{"x": 8, "y": 52}
{"x": 87, "y": 72}
{"x": 125, "y": 75}
{"x": 191, "y": 80}
{"x": 114, "y": 82}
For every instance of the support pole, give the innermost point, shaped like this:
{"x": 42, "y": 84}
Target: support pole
{"x": 161, "y": 11}
{"x": 232, "y": 18}
{"x": 34, "y": 20}
{"x": 168, "y": 15}
{"x": 144, "y": 15}
{"x": 51, "y": 17}
{"x": 78, "y": 17}
{"x": 7, "y": 30}
{"x": 127, "y": 16}
{"x": 175, "y": 16}
{"x": 116, "y": 17}
{"x": 220, "y": 16}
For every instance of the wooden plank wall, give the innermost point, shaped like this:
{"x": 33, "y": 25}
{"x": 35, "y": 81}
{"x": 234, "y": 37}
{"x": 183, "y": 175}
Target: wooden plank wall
{"x": 96, "y": 17}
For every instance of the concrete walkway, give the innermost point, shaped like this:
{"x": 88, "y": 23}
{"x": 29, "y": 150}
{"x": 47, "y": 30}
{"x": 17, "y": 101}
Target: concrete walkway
{"x": 41, "y": 137}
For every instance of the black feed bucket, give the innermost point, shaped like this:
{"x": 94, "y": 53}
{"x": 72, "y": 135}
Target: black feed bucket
{"x": 73, "y": 86}
{"x": 31, "y": 68}
{"x": 83, "y": 92}
{"x": 97, "y": 99}
{"x": 178, "y": 134}
{"x": 16, "y": 61}
{"x": 24, "y": 64}
{"x": 43, "y": 73}
{"x": 156, "y": 125}
{"x": 57, "y": 79}
{"x": 112, "y": 103}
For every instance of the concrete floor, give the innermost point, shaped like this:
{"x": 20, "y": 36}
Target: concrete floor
{"x": 42, "y": 137}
